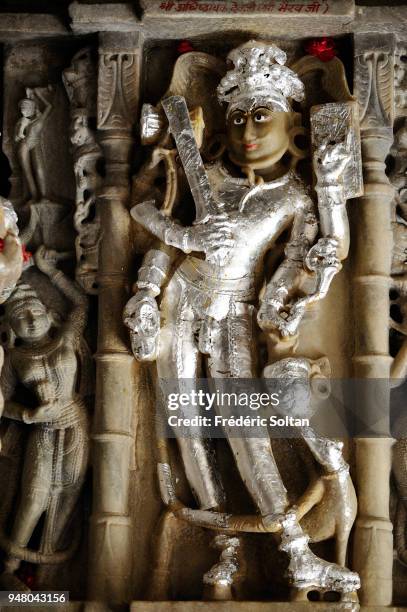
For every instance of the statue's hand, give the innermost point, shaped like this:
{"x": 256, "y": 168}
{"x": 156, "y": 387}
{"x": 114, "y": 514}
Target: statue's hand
{"x": 142, "y": 317}
{"x": 270, "y": 316}
{"x": 294, "y": 317}
{"x": 45, "y": 259}
{"x": 214, "y": 238}
{"x": 324, "y": 254}
{"x": 330, "y": 162}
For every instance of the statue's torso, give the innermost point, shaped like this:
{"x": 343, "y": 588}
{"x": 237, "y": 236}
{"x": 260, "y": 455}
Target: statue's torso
{"x": 258, "y": 215}
{"x": 49, "y": 372}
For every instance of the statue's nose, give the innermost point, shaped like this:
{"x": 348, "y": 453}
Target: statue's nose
{"x": 249, "y": 133}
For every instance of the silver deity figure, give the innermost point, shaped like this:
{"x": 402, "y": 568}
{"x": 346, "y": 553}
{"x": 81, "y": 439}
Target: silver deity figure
{"x": 45, "y": 362}
{"x": 208, "y": 309}
{"x": 11, "y": 255}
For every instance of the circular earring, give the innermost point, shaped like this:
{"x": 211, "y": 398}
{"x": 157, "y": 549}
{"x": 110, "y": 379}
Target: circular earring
{"x": 215, "y": 147}
{"x": 293, "y": 148}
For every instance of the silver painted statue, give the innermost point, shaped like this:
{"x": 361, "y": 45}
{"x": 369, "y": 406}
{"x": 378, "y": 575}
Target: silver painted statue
{"x": 208, "y": 307}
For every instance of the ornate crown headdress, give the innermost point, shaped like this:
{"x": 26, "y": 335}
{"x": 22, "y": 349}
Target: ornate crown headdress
{"x": 23, "y": 295}
{"x": 259, "y": 73}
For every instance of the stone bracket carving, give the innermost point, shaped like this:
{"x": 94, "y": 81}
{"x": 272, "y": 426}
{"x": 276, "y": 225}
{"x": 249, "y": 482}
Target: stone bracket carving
{"x": 374, "y": 79}
{"x": 118, "y": 91}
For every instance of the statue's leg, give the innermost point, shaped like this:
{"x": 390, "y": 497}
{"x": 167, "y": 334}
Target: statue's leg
{"x": 38, "y": 163}
{"x": 179, "y": 361}
{"x": 306, "y": 571}
{"x": 24, "y": 156}
{"x": 233, "y": 355}
{"x": 70, "y": 461}
{"x": 35, "y": 491}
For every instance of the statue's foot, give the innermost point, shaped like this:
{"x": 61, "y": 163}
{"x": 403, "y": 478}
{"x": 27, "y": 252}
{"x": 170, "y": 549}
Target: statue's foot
{"x": 220, "y": 579}
{"x": 348, "y": 601}
{"x": 307, "y": 571}
{"x": 10, "y": 582}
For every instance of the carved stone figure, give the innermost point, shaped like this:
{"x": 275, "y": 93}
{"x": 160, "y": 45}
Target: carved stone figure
{"x": 207, "y": 312}
{"x": 398, "y": 325}
{"x": 45, "y": 363}
{"x": 400, "y": 79}
{"x": 28, "y": 139}
{"x": 79, "y": 80}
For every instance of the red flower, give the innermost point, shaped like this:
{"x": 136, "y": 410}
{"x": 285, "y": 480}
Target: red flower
{"x": 322, "y": 48}
{"x": 26, "y": 254}
{"x": 184, "y": 47}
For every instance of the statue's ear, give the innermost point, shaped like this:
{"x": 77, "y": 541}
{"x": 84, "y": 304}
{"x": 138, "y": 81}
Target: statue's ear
{"x": 299, "y": 142}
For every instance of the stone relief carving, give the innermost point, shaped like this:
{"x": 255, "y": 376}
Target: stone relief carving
{"x": 400, "y": 79}
{"x": 35, "y": 109}
{"x": 43, "y": 357}
{"x": 227, "y": 334}
{"x": 206, "y": 311}
{"x": 80, "y": 83}
{"x": 398, "y": 336}
{"x": 118, "y": 96}
{"x": 47, "y": 375}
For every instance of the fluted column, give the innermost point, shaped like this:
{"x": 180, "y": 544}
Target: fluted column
{"x": 373, "y": 544}
{"x": 113, "y": 444}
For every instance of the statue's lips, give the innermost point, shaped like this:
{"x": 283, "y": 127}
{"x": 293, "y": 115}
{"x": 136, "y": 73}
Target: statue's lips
{"x": 251, "y": 146}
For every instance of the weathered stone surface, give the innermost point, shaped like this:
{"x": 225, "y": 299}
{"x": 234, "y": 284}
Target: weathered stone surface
{"x": 332, "y": 18}
{"x": 18, "y": 26}
{"x": 230, "y": 8}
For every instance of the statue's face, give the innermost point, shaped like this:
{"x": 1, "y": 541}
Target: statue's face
{"x": 28, "y": 108}
{"x": 259, "y": 137}
{"x": 31, "y": 322}
{"x": 79, "y": 136}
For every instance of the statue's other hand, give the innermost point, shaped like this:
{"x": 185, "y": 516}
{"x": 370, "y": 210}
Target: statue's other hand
{"x": 323, "y": 254}
{"x": 142, "y": 317}
{"x": 270, "y": 316}
{"x": 214, "y": 238}
{"x": 45, "y": 259}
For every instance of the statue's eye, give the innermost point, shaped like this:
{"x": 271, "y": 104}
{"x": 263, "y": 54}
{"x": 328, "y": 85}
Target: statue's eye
{"x": 238, "y": 120}
{"x": 260, "y": 117}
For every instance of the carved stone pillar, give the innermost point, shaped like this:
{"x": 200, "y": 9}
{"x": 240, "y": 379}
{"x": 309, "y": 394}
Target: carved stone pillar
{"x": 373, "y": 546}
{"x": 113, "y": 446}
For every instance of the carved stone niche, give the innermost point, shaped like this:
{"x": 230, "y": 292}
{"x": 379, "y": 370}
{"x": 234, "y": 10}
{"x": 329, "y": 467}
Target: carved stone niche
{"x": 47, "y": 379}
{"x": 85, "y": 134}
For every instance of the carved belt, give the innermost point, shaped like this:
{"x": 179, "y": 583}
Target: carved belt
{"x": 202, "y": 275}
{"x": 71, "y": 414}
